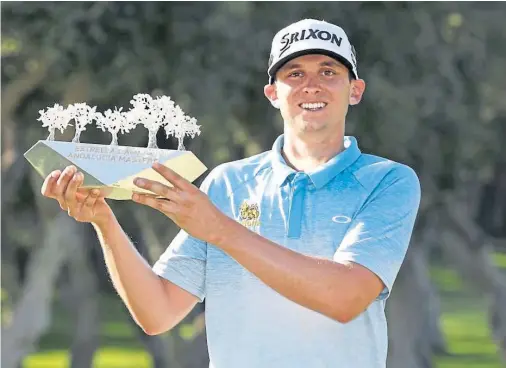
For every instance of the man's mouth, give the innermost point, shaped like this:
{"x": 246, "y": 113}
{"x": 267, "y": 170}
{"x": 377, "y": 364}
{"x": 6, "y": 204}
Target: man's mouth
{"x": 313, "y": 106}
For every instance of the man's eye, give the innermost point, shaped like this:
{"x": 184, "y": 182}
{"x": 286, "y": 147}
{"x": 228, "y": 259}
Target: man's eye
{"x": 329, "y": 72}
{"x": 295, "y": 74}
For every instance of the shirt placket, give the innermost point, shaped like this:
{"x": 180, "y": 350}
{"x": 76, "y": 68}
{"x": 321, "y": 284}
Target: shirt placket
{"x": 296, "y": 204}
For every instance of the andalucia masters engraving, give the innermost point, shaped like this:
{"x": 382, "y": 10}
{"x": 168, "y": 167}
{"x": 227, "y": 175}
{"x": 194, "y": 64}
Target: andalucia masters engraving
{"x": 113, "y": 167}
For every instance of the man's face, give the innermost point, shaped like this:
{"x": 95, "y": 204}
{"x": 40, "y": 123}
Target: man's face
{"x": 313, "y": 93}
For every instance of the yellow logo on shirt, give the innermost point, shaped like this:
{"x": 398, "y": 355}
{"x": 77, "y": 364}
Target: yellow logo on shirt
{"x": 249, "y": 214}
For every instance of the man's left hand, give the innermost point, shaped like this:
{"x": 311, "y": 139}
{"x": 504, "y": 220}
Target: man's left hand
{"x": 184, "y": 203}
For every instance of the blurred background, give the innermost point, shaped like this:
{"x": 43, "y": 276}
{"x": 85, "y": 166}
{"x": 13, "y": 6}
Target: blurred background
{"x": 435, "y": 100}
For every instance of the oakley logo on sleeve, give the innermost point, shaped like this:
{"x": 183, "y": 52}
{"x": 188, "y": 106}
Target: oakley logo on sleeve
{"x": 340, "y": 219}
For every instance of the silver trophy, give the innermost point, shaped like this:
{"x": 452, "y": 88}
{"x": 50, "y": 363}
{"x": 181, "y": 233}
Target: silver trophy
{"x": 112, "y": 168}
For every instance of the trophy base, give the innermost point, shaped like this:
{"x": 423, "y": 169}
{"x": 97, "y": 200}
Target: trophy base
{"x": 112, "y": 169}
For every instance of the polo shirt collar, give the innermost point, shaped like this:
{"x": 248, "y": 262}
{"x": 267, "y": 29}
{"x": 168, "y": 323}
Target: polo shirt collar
{"x": 321, "y": 175}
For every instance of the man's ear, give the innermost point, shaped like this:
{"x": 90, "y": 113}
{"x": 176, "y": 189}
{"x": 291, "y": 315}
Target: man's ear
{"x": 356, "y": 91}
{"x": 271, "y": 94}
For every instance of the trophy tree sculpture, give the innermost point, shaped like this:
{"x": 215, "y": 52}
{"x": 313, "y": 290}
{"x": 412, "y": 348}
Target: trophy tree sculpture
{"x": 115, "y": 122}
{"x": 55, "y": 117}
{"x": 181, "y": 125}
{"x": 114, "y": 167}
{"x": 149, "y": 113}
{"x": 82, "y": 115}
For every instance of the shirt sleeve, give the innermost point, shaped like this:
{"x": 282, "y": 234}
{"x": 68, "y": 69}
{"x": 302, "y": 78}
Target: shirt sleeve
{"x": 379, "y": 234}
{"x": 184, "y": 261}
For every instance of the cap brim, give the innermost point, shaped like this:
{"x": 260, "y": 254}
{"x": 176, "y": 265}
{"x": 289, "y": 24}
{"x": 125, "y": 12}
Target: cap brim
{"x": 274, "y": 68}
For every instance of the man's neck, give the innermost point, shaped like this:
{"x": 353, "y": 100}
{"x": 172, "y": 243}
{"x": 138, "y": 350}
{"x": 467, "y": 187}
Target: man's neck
{"x": 308, "y": 154}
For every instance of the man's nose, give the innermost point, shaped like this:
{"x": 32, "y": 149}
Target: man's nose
{"x": 312, "y": 85}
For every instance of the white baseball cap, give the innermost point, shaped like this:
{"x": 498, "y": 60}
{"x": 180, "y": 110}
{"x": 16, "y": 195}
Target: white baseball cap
{"x": 310, "y": 36}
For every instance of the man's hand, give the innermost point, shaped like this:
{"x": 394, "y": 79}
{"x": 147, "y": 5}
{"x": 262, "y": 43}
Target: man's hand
{"x": 81, "y": 204}
{"x": 184, "y": 203}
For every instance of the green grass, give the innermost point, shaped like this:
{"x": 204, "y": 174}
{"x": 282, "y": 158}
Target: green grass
{"x": 119, "y": 346}
{"x": 106, "y": 357}
{"x": 464, "y": 321}
{"x": 469, "y": 342}
{"x": 447, "y": 280}
{"x": 499, "y": 260}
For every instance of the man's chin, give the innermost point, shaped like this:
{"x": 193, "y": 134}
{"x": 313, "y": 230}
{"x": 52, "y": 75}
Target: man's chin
{"x": 306, "y": 125}
{"x": 312, "y": 126}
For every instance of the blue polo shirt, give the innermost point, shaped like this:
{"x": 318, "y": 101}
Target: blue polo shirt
{"x": 356, "y": 207}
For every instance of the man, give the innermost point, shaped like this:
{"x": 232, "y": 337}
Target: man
{"x": 295, "y": 250}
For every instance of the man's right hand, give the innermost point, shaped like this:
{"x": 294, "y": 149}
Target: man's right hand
{"x": 84, "y": 205}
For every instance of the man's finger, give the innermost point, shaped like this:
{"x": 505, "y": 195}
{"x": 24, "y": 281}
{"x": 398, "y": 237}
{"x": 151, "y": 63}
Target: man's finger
{"x": 61, "y": 185}
{"x": 70, "y": 193}
{"x": 102, "y": 192}
{"x": 48, "y": 186}
{"x": 165, "y": 206}
{"x": 157, "y": 188}
{"x": 63, "y": 181}
{"x": 80, "y": 197}
{"x": 91, "y": 199}
{"x": 174, "y": 178}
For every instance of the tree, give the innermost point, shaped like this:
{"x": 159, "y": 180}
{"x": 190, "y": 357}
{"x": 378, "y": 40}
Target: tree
{"x": 54, "y": 118}
{"x": 83, "y": 115}
{"x": 147, "y": 112}
{"x": 115, "y": 122}
{"x": 181, "y": 126}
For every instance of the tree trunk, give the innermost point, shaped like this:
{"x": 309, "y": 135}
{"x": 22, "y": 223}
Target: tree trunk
{"x": 497, "y": 316}
{"x": 409, "y": 312}
{"x": 32, "y": 314}
{"x": 152, "y": 139}
{"x": 194, "y": 353}
{"x": 180, "y": 143}
{"x": 434, "y": 329}
{"x": 470, "y": 250}
{"x": 81, "y": 297}
{"x": 77, "y": 136}
{"x": 114, "y": 141}
{"x": 157, "y": 348}
{"x": 51, "y": 134}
